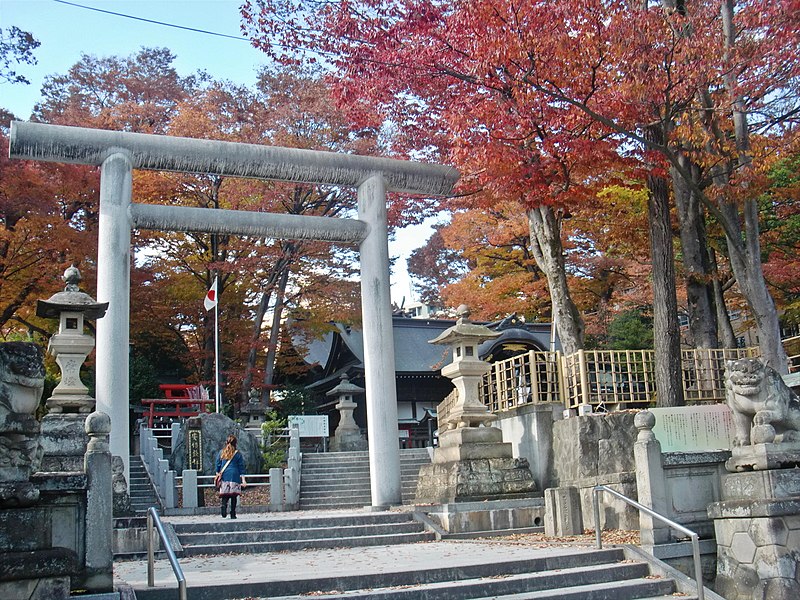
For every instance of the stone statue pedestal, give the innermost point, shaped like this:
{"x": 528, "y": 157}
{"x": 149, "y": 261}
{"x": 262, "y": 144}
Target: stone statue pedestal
{"x": 760, "y": 457}
{"x": 473, "y": 464}
{"x": 757, "y": 526}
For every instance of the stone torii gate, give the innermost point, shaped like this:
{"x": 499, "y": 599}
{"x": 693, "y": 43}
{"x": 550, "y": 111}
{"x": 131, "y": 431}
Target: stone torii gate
{"x": 118, "y": 153}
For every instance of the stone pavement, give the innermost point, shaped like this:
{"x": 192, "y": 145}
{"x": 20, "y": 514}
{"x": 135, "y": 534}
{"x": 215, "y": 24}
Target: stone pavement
{"x": 203, "y": 571}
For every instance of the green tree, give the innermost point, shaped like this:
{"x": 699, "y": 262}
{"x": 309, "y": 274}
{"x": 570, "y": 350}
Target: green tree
{"x": 631, "y": 330}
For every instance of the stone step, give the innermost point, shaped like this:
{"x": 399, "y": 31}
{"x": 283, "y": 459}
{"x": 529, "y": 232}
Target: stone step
{"x": 310, "y": 533}
{"x": 291, "y": 545}
{"x": 354, "y": 499}
{"x": 295, "y": 522}
{"x": 598, "y": 582}
{"x": 311, "y": 486}
{"x": 347, "y": 457}
{"x": 333, "y": 468}
{"x": 591, "y": 574}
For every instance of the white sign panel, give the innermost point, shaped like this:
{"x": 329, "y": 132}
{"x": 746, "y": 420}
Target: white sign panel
{"x": 310, "y": 425}
{"x": 694, "y": 428}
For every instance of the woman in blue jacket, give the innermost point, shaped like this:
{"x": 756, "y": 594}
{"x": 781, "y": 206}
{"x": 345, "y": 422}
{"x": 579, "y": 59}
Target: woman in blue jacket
{"x": 230, "y": 464}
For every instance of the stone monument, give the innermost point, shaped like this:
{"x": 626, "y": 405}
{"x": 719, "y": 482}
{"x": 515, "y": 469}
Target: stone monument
{"x": 348, "y": 436}
{"x": 472, "y": 462}
{"x": 757, "y": 523}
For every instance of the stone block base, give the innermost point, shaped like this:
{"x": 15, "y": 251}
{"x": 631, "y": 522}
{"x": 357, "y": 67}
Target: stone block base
{"x": 64, "y": 442}
{"x": 474, "y": 480}
{"x": 348, "y": 442}
{"x": 494, "y": 515}
{"x": 45, "y": 588}
{"x": 758, "y": 539}
{"x": 37, "y": 575}
{"x": 760, "y": 457}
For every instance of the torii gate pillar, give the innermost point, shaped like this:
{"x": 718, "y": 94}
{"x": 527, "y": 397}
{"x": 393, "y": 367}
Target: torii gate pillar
{"x": 376, "y": 317}
{"x": 114, "y": 287}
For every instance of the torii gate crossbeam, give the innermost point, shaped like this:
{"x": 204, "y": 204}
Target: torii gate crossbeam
{"x": 118, "y": 153}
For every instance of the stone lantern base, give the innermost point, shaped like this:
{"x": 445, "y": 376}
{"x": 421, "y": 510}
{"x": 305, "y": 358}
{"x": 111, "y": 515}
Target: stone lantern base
{"x": 348, "y": 441}
{"x": 473, "y": 463}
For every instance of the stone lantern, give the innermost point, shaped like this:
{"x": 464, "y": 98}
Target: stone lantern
{"x": 348, "y": 434}
{"x": 472, "y": 463}
{"x": 70, "y": 346}
{"x": 255, "y": 409}
{"x": 466, "y": 371}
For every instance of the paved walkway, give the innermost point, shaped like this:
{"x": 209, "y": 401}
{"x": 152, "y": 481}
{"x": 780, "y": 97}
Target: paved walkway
{"x": 201, "y": 571}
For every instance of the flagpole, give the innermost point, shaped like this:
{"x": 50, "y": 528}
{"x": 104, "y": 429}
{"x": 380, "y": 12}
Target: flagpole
{"x": 216, "y": 351}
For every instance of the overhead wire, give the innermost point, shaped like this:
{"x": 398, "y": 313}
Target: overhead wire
{"x": 153, "y": 21}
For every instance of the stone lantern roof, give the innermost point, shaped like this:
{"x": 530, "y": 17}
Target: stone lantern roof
{"x": 463, "y": 330}
{"x": 345, "y": 387}
{"x": 72, "y": 299}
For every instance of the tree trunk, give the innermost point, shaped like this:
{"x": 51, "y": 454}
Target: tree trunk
{"x": 699, "y": 286}
{"x": 258, "y": 320}
{"x": 725, "y": 330}
{"x": 288, "y": 252}
{"x": 545, "y": 228}
{"x": 666, "y": 333}
{"x": 274, "y": 335}
{"x": 745, "y": 251}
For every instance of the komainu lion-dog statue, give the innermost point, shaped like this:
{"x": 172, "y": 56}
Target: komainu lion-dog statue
{"x": 764, "y": 409}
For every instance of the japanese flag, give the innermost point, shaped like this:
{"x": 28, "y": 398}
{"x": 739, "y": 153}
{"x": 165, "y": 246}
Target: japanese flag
{"x": 211, "y": 297}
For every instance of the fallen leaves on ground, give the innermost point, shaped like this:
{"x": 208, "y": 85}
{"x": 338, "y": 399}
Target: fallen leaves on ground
{"x": 587, "y": 538}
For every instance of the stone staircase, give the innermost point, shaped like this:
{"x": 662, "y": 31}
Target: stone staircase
{"x": 336, "y": 480}
{"x": 557, "y": 574}
{"x": 141, "y": 490}
{"x": 593, "y": 575}
{"x": 279, "y": 534}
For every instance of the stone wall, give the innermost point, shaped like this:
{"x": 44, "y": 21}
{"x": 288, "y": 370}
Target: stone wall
{"x": 529, "y": 430}
{"x": 595, "y": 450}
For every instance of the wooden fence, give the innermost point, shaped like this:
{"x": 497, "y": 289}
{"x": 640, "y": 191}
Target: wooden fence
{"x": 604, "y": 379}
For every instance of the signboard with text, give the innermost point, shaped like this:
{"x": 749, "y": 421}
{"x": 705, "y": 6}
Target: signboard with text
{"x": 694, "y": 428}
{"x": 310, "y": 425}
{"x": 194, "y": 450}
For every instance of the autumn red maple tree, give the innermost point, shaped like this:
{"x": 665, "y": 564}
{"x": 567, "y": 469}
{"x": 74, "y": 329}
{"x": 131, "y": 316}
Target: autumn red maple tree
{"x": 534, "y": 100}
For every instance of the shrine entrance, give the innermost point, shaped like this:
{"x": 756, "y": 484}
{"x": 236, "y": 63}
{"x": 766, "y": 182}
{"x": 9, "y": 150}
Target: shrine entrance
{"x": 118, "y": 153}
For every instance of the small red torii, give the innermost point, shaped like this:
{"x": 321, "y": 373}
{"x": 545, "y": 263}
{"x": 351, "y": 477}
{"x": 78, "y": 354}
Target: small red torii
{"x": 180, "y": 400}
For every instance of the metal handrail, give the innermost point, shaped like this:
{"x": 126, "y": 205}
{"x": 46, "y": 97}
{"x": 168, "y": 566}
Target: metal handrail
{"x": 698, "y": 571}
{"x": 154, "y": 518}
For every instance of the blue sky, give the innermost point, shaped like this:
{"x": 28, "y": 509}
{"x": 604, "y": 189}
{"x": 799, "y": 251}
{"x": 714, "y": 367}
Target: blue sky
{"x": 66, "y": 31}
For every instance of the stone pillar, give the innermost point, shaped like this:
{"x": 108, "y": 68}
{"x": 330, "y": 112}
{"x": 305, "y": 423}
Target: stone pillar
{"x": 21, "y": 385}
{"x": 113, "y": 286}
{"x": 379, "y": 370}
{"x": 562, "y": 512}
{"x": 189, "y": 488}
{"x": 276, "y": 489}
{"x": 650, "y": 480}
{"x": 99, "y": 504}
